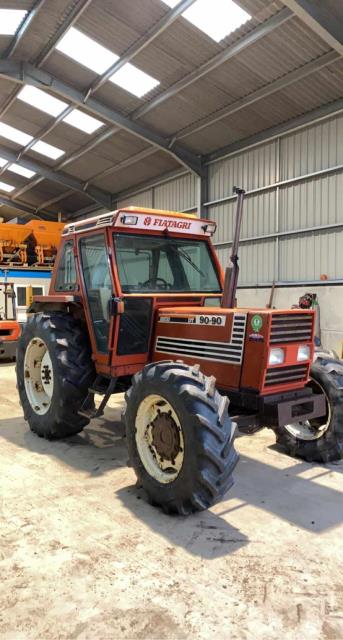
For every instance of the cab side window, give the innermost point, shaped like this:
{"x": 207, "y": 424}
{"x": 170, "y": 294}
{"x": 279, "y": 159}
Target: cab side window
{"x": 66, "y": 274}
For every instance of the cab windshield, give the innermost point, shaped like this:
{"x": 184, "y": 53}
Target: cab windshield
{"x": 153, "y": 264}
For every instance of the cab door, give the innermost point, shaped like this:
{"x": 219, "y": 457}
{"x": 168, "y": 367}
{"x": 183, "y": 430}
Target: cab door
{"x": 133, "y": 322}
{"x": 99, "y": 291}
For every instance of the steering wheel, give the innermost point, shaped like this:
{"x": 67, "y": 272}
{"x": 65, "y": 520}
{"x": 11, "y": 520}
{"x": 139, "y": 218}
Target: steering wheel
{"x": 153, "y": 282}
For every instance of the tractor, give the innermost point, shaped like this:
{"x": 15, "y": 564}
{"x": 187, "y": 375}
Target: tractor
{"x": 139, "y": 303}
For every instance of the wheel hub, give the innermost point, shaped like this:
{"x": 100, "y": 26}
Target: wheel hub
{"x": 159, "y": 438}
{"x": 165, "y": 436}
{"x": 312, "y": 429}
{"x": 38, "y": 376}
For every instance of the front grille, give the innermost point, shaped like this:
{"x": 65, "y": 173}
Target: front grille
{"x": 282, "y": 375}
{"x": 5, "y": 332}
{"x": 291, "y": 328}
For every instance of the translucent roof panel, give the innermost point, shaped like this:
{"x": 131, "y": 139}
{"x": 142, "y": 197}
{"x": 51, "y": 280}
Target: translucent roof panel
{"x": 21, "y": 171}
{"x": 48, "y": 150}
{"x": 83, "y": 121}
{"x": 134, "y": 80}
{"x": 17, "y": 168}
{"x": 86, "y": 51}
{"x": 10, "y": 20}
{"x": 15, "y": 135}
{"x": 42, "y": 100}
{"x": 6, "y": 187}
{"x": 217, "y": 18}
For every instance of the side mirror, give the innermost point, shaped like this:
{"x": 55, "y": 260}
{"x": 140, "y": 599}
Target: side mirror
{"x": 116, "y": 306}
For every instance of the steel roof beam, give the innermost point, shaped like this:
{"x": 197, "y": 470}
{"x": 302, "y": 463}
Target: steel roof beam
{"x": 75, "y": 13}
{"x": 280, "y": 129}
{"x": 123, "y": 164}
{"x": 277, "y": 85}
{"x": 98, "y": 195}
{"x": 26, "y": 73}
{"x": 25, "y": 208}
{"x": 226, "y": 54}
{"x": 256, "y": 34}
{"x": 58, "y": 198}
{"x": 71, "y": 18}
{"x": 320, "y": 16}
{"x": 23, "y": 27}
{"x": 142, "y": 43}
{"x": 147, "y": 39}
{"x": 86, "y": 211}
{"x": 132, "y": 51}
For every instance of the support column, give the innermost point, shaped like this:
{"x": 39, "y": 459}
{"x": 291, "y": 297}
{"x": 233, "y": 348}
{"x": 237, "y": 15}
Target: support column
{"x": 202, "y": 193}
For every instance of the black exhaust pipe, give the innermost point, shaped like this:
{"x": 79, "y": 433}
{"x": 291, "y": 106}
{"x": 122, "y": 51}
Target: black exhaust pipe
{"x": 232, "y": 272}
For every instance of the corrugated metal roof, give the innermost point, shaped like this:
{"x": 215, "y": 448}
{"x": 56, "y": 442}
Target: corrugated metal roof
{"x": 176, "y": 52}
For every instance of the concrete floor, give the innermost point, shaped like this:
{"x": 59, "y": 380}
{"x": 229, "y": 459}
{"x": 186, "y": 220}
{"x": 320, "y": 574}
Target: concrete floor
{"x": 83, "y": 556}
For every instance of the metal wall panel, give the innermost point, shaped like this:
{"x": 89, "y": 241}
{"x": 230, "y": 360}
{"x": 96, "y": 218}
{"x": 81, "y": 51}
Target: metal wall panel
{"x": 311, "y": 149}
{"x": 256, "y": 261}
{"x": 143, "y": 199}
{"x": 308, "y": 257}
{"x": 251, "y": 169}
{"x": 179, "y": 194}
{"x": 176, "y": 195}
{"x": 259, "y": 217}
{"x": 305, "y": 201}
{"x": 312, "y": 203}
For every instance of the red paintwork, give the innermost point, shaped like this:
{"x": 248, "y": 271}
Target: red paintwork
{"x": 13, "y": 326}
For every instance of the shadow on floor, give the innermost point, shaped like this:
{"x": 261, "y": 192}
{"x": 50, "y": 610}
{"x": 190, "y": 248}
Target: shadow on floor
{"x": 101, "y": 448}
{"x": 203, "y": 534}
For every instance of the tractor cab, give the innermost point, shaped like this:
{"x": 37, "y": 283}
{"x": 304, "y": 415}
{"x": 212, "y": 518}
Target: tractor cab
{"x": 127, "y": 265}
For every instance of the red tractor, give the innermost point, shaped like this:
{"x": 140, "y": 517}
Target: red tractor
{"x": 139, "y": 303}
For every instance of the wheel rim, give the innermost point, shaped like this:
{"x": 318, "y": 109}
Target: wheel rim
{"x": 312, "y": 429}
{"x": 159, "y": 438}
{"x": 38, "y": 376}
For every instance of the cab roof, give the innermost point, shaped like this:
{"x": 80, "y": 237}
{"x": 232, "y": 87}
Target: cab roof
{"x": 147, "y": 219}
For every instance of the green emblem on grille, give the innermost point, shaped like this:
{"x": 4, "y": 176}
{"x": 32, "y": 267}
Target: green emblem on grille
{"x": 256, "y": 323}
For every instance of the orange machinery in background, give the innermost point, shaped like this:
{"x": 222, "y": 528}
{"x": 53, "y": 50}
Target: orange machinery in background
{"x": 47, "y": 236}
{"x": 32, "y": 244}
{"x": 13, "y": 243}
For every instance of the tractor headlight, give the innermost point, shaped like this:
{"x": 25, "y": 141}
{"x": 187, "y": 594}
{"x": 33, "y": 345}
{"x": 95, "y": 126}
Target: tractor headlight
{"x": 304, "y": 353}
{"x": 276, "y": 356}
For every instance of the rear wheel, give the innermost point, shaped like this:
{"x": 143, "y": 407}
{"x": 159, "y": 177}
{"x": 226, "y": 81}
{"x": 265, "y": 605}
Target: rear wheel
{"x": 54, "y": 371}
{"x": 180, "y": 437}
{"x": 321, "y": 439}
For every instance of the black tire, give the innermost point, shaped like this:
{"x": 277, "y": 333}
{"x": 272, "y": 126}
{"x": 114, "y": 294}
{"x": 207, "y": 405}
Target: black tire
{"x": 209, "y": 454}
{"x": 73, "y": 370}
{"x": 327, "y": 373}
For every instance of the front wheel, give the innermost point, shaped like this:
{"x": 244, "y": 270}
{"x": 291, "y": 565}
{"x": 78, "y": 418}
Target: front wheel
{"x": 180, "y": 437}
{"x": 320, "y": 439}
{"x": 54, "y": 371}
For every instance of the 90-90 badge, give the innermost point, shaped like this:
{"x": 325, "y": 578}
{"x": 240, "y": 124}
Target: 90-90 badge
{"x": 205, "y": 320}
